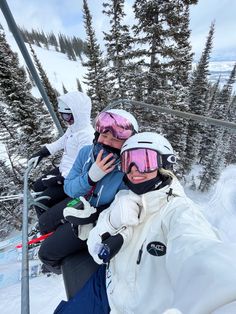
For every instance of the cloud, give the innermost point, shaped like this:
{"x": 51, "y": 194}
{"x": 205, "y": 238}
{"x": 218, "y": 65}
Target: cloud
{"x": 222, "y": 12}
{"x": 66, "y": 16}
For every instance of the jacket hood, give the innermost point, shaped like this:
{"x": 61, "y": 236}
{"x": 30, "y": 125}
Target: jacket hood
{"x": 80, "y": 105}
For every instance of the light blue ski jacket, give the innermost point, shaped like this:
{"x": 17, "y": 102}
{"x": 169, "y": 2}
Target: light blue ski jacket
{"x": 76, "y": 183}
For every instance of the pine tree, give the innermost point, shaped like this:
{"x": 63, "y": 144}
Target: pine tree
{"x": 10, "y": 211}
{"x": 79, "y": 87}
{"x": 64, "y": 89}
{"x": 52, "y": 40}
{"x": 118, "y": 43}
{"x": 162, "y": 34}
{"x": 198, "y": 102}
{"x": 219, "y": 142}
{"x": 96, "y": 77}
{"x": 24, "y": 111}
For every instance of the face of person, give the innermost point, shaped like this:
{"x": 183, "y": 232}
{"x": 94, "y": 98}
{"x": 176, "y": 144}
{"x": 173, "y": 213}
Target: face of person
{"x": 68, "y": 118}
{"x": 136, "y": 177}
{"x": 108, "y": 139}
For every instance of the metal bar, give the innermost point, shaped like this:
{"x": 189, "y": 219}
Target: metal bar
{"x": 13, "y": 27}
{"x": 25, "y": 309}
{"x": 182, "y": 114}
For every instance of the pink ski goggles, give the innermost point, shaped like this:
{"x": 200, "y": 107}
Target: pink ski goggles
{"x": 119, "y": 126}
{"x": 146, "y": 160}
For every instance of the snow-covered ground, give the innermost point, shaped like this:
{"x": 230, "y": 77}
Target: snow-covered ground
{"x": 60, "y": 70}
{"x": 46, "y": 293}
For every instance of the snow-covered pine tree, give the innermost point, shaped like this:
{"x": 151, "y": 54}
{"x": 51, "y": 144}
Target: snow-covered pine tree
{"x": 221, "y": 138}
{"x": 162, "y": 38}
{"x": 25, "y": 112}
{"x": 198, "y": 102}
{"x": 64, "y": 89}
{"x": 96, "y": 77}
{"x": 179, "y": 67}
{"x": 208, "y": 135}
{"x": 62, "y": 43}
{"x": 10, "y": 211}
{"x": 52, "y": 93}
{"x": 69, "y": 49}
{"x": 52, "y": 40}
{"x": 118, "y": 43}
{"x": 231, "y": 154}
{"x": 79, "y": 87}
{"x": 78, "y": 46}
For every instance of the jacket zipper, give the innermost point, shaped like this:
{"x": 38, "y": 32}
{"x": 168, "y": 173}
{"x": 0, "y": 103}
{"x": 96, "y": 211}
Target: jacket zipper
{"x": 140, "y": 253}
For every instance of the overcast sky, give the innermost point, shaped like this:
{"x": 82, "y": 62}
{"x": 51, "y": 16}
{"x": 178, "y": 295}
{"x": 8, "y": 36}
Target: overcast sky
{"x": 66, "y": 16}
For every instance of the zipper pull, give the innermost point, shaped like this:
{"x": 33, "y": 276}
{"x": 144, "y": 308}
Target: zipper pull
{"x": 140, "y": 252}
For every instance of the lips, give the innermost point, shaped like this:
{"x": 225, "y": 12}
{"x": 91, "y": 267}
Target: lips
{"x": 138, "y": 179}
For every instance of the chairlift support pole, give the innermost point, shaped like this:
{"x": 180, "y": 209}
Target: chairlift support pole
{"x": 186, "y": 115}
{"x": 13, "y": 27}
{"x": 25, "y": 308}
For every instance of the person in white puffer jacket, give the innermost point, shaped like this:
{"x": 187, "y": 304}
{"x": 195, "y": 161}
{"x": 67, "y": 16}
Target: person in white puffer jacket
{"x": 169, "y": 256}
{"x": 75, "y": 109}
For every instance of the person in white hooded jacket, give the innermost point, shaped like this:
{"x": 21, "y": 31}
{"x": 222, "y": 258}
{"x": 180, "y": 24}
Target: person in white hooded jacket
{"x": 169, "y": 256}
{"x": 75, "y": 109}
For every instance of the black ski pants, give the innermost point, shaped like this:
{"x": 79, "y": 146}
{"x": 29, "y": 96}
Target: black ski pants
{"x": 61, "y": 243}
{"x": 55, "y": 192}
{"x": 50, "y": 219}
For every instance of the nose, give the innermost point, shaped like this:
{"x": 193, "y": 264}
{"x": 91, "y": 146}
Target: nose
{"x": 108, "y": 142}
{"x": 133, "y": 169}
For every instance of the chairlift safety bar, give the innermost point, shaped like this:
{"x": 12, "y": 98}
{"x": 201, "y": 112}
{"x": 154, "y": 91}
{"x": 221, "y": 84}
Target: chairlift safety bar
{"x": 186, "y": 115}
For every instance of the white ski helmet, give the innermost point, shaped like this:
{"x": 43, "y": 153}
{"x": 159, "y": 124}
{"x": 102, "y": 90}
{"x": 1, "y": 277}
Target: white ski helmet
{"x": 126, "y": 115}
{"x": 63, "y": 107}
{"x": 153, "y": 141}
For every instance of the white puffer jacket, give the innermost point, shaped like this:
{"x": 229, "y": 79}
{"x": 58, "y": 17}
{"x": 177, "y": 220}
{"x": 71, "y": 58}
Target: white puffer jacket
{"x": 172, "y": 259}
{"x": 79, "y": 134}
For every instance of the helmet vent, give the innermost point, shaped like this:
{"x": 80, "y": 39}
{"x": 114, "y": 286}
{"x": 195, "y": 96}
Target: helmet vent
{"x": 144, "y": 142}
{"x": 167, "y": 147}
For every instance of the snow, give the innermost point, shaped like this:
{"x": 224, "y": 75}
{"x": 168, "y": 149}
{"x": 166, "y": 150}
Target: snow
{"x": 219, "y": 206}
{"x": 45, "y": 294}
{"x": 58, "y": 67}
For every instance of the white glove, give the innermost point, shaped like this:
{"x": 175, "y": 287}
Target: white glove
{"x": 94, "y": 244}
{"x": 86, "y": 212}
{"x": 95, "y": 173}
{"x": 125, "y": 210}
{"x": 83, "y": 231}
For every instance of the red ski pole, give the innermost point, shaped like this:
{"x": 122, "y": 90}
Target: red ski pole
{"x": 36, "y": 240}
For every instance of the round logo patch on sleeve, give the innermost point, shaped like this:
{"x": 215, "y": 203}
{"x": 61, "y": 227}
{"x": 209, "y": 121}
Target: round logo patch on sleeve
{"x": 156, "y": 248}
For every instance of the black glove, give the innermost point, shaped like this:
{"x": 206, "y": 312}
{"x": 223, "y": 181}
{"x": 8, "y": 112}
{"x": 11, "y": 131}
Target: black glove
{"x": 110, "y": 246}
{"x": 37, "y": 157}
{"x": 51, "y": 180}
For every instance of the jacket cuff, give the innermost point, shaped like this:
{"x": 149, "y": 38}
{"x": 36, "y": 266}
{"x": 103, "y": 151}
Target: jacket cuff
{"x": 95, "y": 173}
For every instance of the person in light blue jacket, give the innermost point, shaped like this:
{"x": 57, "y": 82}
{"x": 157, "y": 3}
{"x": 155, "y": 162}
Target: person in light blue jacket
{"x": 95, "y": 178}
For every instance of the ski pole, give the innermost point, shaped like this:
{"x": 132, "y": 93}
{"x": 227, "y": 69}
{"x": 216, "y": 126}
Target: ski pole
{"x": 36, "y": 240}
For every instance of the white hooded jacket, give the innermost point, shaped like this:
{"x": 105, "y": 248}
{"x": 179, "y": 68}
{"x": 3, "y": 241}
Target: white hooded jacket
{"x": 77, "y": 135}
{"x": 172, "y": 259}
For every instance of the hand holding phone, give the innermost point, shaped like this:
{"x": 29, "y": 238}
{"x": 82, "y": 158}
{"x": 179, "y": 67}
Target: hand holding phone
{"x": 106, "y": 164}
